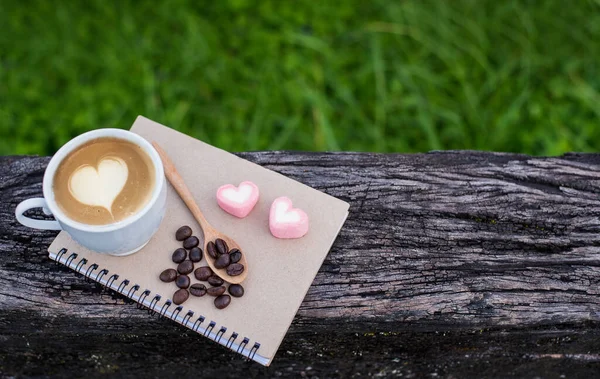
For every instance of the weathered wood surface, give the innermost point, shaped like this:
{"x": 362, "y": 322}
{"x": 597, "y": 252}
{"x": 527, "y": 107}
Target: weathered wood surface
{"x": 450, "y": 264}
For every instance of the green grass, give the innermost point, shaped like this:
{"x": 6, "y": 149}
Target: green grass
{"x": 389, "y": 76}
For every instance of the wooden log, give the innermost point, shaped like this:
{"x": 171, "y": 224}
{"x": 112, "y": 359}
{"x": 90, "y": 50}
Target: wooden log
{"x": 451, "y": 263}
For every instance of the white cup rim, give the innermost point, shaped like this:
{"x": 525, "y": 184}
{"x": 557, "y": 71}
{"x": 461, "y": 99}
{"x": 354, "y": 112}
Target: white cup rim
{"x": 80, "y": 140}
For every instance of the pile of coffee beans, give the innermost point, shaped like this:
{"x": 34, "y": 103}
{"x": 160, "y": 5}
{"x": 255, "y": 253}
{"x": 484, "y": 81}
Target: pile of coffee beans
{"x": 191, "y": 253}
{"x": 225, "y": 258}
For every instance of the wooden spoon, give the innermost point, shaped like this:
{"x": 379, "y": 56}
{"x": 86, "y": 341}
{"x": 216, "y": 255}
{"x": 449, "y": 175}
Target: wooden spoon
{"x": 210, "y": 233}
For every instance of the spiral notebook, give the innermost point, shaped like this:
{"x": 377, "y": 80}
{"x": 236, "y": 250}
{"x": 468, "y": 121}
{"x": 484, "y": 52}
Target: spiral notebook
{"x": 279, "y": 271}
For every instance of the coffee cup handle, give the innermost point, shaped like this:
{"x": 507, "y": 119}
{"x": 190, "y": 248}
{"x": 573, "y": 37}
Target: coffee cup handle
{"x": 36, "y": 202}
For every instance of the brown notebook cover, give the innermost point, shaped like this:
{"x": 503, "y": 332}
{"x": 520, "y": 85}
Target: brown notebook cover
{"x": 280, "y": 271}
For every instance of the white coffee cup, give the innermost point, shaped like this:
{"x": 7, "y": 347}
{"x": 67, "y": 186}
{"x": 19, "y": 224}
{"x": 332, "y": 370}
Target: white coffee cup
{"x": 120, "y": 238}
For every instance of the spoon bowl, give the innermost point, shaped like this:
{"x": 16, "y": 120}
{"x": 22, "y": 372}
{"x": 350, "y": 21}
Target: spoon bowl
{"x": 212, "y": 234}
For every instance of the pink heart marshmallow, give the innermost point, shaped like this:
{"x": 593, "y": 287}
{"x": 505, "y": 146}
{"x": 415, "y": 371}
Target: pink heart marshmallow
{"x": 285, "y": 221}
{"x": 238, "y": 201}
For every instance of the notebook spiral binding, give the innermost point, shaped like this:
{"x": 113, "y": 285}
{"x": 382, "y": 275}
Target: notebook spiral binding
{"x": 144, "y": 299}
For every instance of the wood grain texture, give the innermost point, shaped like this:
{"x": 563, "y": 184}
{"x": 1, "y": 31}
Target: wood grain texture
{"x": 450, "y": 263}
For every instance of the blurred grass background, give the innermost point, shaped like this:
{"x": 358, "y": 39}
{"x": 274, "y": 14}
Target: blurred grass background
{"x": 387, "y": 76}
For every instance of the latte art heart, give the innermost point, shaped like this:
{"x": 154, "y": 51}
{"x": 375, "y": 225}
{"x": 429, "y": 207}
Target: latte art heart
{"x": 103, "y": 181}
{"x": 99, "y": 186}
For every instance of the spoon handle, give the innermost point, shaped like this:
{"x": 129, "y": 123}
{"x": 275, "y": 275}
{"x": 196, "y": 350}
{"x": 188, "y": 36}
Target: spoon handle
{"x": 177, "y": 182}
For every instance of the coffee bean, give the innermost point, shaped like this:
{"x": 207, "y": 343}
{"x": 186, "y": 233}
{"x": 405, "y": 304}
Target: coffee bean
{"x": 198, "y": 289}
{"x": 211, "y": 250}
{"x": 180, "y": 296}
{"x": 235, "y": 255}
{"x": 179, "y": 255}
{"x": 215, "y": 281}
{"x": 183, "y": 233}
{"x": 168, "y": 275}
{"x": 235, "y": 269}
{"x": 222, "y": 261}
{"x": 216, "y": 291}
{"x": 222, "y": 301}
{"x": 190, "y": 242}
{"x": 196, "y": 254}
{"x": 221, "y": 246}
{"x": 182, "y": 281}
{"x": 185, "y": 267}
{"x": 236, "y": 290}
{"x": 203, "y": 273}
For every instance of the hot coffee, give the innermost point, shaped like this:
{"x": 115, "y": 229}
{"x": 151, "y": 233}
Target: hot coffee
{"x": 104, "y": 181}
